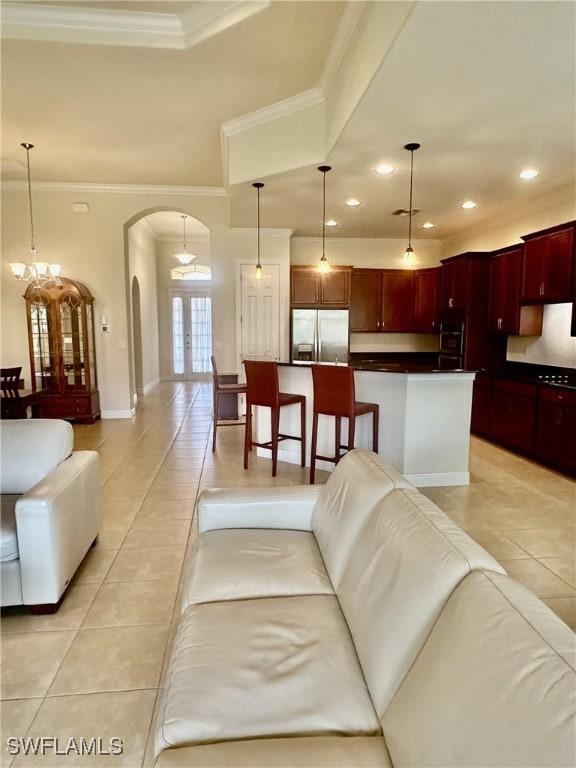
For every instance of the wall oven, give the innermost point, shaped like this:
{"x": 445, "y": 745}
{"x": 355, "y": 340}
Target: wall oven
{"x": 451, "y": 353}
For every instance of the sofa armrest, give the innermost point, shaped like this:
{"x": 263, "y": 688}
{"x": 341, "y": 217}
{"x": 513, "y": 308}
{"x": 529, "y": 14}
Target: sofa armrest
{"x": 288, "y": 507}
{"x": 57, "y": 520}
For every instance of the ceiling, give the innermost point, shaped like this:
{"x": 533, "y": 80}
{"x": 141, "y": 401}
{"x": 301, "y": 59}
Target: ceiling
{"x": 139, "y": 93}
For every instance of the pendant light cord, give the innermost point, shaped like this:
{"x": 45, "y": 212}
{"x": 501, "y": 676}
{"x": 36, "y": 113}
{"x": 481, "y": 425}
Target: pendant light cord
{"x": 258, "y": 186}
{"x": 410, "y": 211}
{"x": 28, "y": 147}
{"x": 323, "y": 214}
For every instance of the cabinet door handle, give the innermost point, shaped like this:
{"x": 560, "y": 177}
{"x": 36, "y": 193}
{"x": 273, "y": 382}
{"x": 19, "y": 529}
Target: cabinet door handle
{"x": 450, "y": 302}
{"x": 499, "y": 323}
{"x": 541, "y": 289}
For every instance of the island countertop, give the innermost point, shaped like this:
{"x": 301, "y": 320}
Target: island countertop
{"x": 424, "y": 419}
{"x": 389, "y": 367}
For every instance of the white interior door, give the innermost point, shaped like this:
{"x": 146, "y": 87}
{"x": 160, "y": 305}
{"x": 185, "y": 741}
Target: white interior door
{"x": 191, "y": 334}
{"x": 260, "y": 313}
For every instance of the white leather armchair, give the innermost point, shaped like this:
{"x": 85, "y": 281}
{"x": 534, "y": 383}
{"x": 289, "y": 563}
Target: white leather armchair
{"x": 50, "y": 510}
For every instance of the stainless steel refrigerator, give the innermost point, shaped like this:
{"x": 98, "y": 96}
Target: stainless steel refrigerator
{"x": 319, "y": 335}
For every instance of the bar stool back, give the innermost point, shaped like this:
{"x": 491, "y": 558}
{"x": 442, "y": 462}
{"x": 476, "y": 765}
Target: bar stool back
{"x": 334, "y": 395}
{"x": 263, "y": 390}
{"x": 222, "y": 389}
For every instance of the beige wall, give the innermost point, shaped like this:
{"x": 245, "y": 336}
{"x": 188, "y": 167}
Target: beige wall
{"x": 93, "y": 248}
{"x": 142, "y": 268}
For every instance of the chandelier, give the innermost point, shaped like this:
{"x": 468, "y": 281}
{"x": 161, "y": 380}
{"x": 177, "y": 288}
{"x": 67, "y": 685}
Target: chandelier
{"x": 37, "y": 273}
{"x": 184, "y": 257}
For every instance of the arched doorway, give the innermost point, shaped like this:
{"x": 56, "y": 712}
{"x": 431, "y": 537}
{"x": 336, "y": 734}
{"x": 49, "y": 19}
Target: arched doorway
{"x": 154, "y": 278}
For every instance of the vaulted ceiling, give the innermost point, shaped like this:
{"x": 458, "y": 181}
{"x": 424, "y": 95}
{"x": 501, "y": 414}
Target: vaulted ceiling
{"x": 211, "y": 95}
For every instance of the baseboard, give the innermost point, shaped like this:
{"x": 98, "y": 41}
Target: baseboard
{"x": 148, "y": 387}
{"x": 439, "y": 478}
{"x": 118, "y": 414}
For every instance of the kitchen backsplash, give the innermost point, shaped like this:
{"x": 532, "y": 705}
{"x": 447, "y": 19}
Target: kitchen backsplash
{"x": 554, "y": 347}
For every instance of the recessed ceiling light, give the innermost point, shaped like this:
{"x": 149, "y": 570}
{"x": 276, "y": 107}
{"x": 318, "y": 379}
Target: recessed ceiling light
{"x": 331, "y": 223}
{"x": 427, "y": 225}
{"x": 468, "y": 204}
{"x": 383, "y": 169}
{"x": 528, "y": 173}
{"x": 352, "y": 202}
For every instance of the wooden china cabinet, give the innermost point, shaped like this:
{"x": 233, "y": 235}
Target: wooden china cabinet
{"x": 61, "y": 345}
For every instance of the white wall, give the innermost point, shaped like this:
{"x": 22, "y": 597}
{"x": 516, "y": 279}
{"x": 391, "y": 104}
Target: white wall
{"x": 142, "y": 266}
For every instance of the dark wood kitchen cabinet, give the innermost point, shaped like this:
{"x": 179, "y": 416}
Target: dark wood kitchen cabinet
{"x": 556, "y": 428}
{"x": 505, "y": 314}
{"x": 309, "y": 288}
{"x": 513, "y": 414}
{"x": 397, "y": 300}
{"x": 426, "y": 300}
{"x": 548, "y": 265}
{"x": 366, "y": 300}
{"x": 481, "y": 405}
{"x": 454, "y": 283}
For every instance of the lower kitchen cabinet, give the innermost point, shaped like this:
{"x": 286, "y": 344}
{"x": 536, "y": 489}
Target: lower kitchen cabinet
{"x": 513, "y": 414}
{"x": 556, "y": 428}
{"x": 481, "y": 405}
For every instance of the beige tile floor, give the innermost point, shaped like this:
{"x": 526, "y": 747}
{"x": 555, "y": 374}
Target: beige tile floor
{"x": 94, "y": 669}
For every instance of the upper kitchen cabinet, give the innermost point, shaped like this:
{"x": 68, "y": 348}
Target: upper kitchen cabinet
{"x": 426, "y": 300}
{"x": 505, "y": 315}
{"x": 397, "y": 300}
{"x": 454, "y": 283}
{"x": 382, "y": 300}
{"x": 465, "y": 285}
{"x": 366, "y": 300}
{"x": 548, "y": 264}
{"x": 309, "y": 288}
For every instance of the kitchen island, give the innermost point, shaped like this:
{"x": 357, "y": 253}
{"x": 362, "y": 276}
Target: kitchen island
{"x": 424, "y": 426}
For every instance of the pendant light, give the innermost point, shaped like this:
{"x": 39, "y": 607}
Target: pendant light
{"x": 258, "y": 272}
{"x": 323, "y": 266}
{"x": 408, "y": 257}
{"x": 184, "y": 257}
{"x": 37, "y": 273}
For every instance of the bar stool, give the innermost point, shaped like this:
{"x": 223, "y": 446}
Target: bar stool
{"x": 262, "y": 389}
{"x": 334, "y": 395}
{"x": 222, "y": 389}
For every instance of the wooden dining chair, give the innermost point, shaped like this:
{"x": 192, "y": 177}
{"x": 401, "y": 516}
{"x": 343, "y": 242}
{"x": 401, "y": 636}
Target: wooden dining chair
{"x": 10, "y": 377}
{"x": 222, "y": 389}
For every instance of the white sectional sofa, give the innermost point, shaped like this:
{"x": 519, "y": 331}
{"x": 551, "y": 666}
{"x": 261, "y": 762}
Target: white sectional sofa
{"x": 50, "y": 510}
{"x": 354, "y": 624}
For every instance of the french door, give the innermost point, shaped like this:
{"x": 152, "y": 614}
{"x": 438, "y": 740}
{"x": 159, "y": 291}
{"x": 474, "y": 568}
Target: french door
{"x": 191, "y": 333}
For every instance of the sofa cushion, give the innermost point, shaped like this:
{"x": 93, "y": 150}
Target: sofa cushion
{"x": 261, "y": 668}
{"x": 356, "y": 485}
{"x": 8, "y": 536}
{"x": 30, "y": 449}
{"x": 408, "y": 558}
{"x": 301, "y": 752}
{"x": 494, "y": 685}
{"x": 238, "y": 564}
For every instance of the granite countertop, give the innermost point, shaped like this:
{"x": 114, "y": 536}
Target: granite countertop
{"x": 389, "y": 367}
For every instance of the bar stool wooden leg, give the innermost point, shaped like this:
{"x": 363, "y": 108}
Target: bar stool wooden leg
{"x": 313, "y": 447}
{"x": 303, "y": 433}
{"x": 351, "y": 432}
{"x": 275, "y": 424}
{"x": 375, "y": 430}
{"x": 215, "y": 421}
{"x": 247, "y": 434}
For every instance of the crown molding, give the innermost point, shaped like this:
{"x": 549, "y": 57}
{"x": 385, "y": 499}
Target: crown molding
{"x": 121, "y": 189}
{"x": 341, "y": 43}
{"x": 268, "y": 232}
{"x": 96, "y": 26}
{"x": 273, "y": 112}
